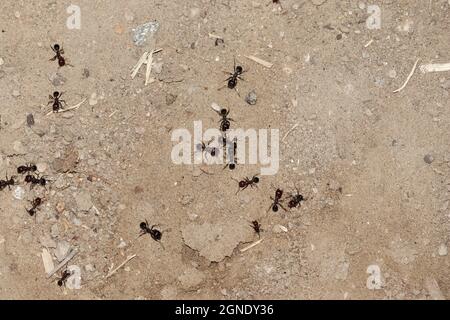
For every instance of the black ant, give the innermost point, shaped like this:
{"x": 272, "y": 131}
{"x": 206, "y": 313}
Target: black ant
{"x": 296, "y": 200}
{"x": 276, "y": 202}
{"x": 257, "y": 227}
{"x": 59, "y": 51}
{"x": 64, "y": 276}
{"x": 234, "y": 76}
{"x": 34, "y": 206}
{"x": 7, "y": 183}
{"x": 225, "y": 121}
{"x": 243, "y": 184}
{"x": 277, "y": 2}
{"x": 232, "y": 164}
{"x": 26, "y": 168}
{"x": 34, "y": 180}
{"x": 154, "y": 233}
{"x": 57, "y": 101}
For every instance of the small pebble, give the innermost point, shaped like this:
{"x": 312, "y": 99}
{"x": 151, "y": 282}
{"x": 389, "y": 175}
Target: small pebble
{"x": 56, "y": 79}
{"x": 19, "y": 148}
{"x": 93, "y": 99}
{"x": 19, "y": 193}
{"x": 74, "y": 281}
{"x": 428, "y": 158}
{"x": 140, "y": 130}
{"x": 443, "y": 250}
{"x": 60, "y": 206}
{"x": 251, "y": 98}
{"x": 279, "y": 228}
{"x": 89, "y": 268}
{"x": 392, "y": 73}
{"x": 47, "y": 241}
{"x": 84, "y": 201}
{"x": 16, "y": 93}
{"x": 157, "y": 67}
{"x": 30, "y": 119}
{"x": 2, "y": 61}
{"x": 54, "y": 231}
{"x": 62, "y": 248}
{"x": 122, "y": 244}
{"x": 170, "y": 99}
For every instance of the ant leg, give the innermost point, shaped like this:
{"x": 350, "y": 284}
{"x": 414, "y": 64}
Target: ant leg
{"x": 225, "y": 85}
{"x": 52, "y": 59}
{"x": 282, "y": 206}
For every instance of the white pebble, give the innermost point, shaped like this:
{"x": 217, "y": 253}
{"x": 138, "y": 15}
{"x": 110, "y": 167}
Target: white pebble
{"x": 93, "y": 99}
{"x": 19, "y": 193}
{"x": 443, "y": 250}
{"x": 74, "y": 281}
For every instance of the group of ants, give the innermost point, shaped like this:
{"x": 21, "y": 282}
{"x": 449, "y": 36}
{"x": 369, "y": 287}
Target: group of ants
{"x": 225, "y": 123}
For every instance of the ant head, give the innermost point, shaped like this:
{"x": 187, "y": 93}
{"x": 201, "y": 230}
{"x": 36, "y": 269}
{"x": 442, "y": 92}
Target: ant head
{"x": 242, "y": 184}
{"x": 232, "y": 166}
{"x": 213, "y": 152}
{"x": 56, "y": 94}
{"x": 60, "y": 283}
{"x": 255, "y": 179}
{"x": 143, "y": 225}
{"x": 31, "y": 212}
{"x": 275, "y": 208}
{"x": 34, "y": 167}
{"x": 223, "y": 111}
{"x": 239, "y": 69}
{"x": 56, "y": 47}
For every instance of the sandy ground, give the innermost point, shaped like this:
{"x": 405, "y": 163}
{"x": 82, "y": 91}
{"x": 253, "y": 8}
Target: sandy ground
{"x": 374, "y": 165}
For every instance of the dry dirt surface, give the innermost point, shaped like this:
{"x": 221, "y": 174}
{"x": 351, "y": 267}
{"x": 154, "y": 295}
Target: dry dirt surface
{"x": 373, "y": 165}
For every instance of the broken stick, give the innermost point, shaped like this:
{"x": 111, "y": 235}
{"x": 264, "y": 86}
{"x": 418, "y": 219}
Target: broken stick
{"x": 409, "y": 77}
{"x": 120, "y": 266}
